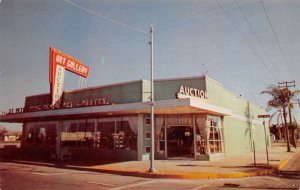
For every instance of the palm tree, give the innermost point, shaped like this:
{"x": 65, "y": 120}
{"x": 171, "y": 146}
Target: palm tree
{"x": 281, "y": 100}
{"x": 276, "y": 120}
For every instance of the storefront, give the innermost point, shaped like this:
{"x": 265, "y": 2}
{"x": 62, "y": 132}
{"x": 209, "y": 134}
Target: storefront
{"x": 195, "y": 118}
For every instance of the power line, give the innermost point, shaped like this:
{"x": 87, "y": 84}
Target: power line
{"x": 274, "y": 33}
{"x": 105, "y": 17}
{"x": 175, "y": 20}
{"x": 156, "y": 25}
{"x": 255, "y": 35}
{"x": 252, "y": 49}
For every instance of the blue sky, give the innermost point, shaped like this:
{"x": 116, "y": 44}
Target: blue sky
{"x": 244, "y": 44}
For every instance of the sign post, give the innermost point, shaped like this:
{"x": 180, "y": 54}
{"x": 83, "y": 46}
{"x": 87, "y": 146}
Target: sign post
{"x": 265, "y": 116}
{"x": 253, "y": 141}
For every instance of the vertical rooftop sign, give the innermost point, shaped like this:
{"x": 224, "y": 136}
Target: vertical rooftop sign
{"x": 59, "y": 61}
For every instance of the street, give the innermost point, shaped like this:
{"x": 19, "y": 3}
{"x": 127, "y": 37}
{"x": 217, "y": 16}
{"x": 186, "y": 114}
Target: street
{"x": 20, "y": 176}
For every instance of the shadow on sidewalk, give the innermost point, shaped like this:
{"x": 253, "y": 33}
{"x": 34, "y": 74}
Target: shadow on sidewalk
{"x": 288, "y": 174}
{"x": 248, "y": 168}
{"x": 55, "y": 163}
{"x": 237, "y": 186}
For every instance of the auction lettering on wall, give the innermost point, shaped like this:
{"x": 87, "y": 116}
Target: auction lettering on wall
{"x": 188, "y": 92}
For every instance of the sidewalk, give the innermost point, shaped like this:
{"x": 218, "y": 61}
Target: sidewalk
{"x": 235, "y": 166}
{"x": 231, "y": 167}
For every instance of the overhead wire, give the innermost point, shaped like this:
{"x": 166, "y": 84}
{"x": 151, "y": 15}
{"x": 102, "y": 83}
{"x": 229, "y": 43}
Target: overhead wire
{"x": 194, "y": 15}
{"x": 276, "y": 38}
{"x": 82, "y": 81}
{"x": 249, "y": 45}
{"x": 176, "y": 20}
{"x": 105, "y": 17}
{"x": 139, "y": 30}
{"x": 255, "y": 35}
{"x": 109, "y": 19}
{"x": 157, "y": 26}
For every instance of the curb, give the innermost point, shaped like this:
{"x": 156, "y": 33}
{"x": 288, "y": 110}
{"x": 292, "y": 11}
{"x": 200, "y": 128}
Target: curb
{"x": 166, "y": 175}
{"x": 282, "y": 164}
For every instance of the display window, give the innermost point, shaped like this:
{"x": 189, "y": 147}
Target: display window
{"x": 180, "y": 141}
{"x": 119, "y": 134}
{"x": 188, "y": 135}
{"x": 214, "y": 134}
{"x": 40, "y": 134}
{"x": 116, "y": 133}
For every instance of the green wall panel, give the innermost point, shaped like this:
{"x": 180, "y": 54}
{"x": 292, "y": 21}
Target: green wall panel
{"x": 237, "y": 136}
{"x": 167, "y": 89}
{"x": 237, "y": 129}
{"x": 122, "y": 93}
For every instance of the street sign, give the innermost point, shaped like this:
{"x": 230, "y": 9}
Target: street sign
{"x": 265, "y": 116}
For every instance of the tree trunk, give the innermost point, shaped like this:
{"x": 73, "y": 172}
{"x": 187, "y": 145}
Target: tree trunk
{"x": 287, "y": 136}
{"x": 292, "y": 129}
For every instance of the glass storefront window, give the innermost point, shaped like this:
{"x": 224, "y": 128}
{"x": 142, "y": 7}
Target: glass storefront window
{"x": 85, "y": 133}
{"x": 105, "y": 132}
{"x": 209, "y": 134}
{"x": 77, "y": 134}
{"x": 160, "y": 135}
{"x": 40, "y": 134}
{"x": 201, "y": 138}
{"x": 125, "y": 137}
{"x": 117, "y": 135}
{"x": 69, "y": 136}
{"x": 51, "y": 134}
{"x": 214, "y": 134}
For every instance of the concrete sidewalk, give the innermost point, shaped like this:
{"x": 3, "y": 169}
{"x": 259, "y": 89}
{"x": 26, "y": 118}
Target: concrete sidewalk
{"x": 231, "y": 167}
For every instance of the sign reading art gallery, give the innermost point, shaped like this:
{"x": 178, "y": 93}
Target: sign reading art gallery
{"x": 59, "y": 61}
{"x": 188, "y": 92}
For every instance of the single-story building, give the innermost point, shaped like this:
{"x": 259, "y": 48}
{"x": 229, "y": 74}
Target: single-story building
{"x": 195, "y": 118}
{"x": 11, "y": 136}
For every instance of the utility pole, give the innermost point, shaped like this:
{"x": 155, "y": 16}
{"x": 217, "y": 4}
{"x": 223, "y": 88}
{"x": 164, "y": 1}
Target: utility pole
{"x": 286, "y": 85}
{"x": 152, "y": 168}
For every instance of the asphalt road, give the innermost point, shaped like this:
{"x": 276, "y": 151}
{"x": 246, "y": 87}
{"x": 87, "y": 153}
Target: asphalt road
{"x": 20, "y": 176}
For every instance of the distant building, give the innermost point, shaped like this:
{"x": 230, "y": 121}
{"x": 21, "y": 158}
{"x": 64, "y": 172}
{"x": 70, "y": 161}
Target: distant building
{"x": 11, "y": 136}
{"x": 195, "y": 117}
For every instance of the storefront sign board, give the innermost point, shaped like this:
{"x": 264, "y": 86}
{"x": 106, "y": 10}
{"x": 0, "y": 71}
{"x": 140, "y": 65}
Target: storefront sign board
{"x": 59, "y": 62}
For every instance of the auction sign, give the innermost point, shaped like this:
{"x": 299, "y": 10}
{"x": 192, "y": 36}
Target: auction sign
{"x": 59, "y": 62}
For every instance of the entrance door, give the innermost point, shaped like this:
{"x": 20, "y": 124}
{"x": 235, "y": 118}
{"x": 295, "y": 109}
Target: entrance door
{"x": 180, "y": 141}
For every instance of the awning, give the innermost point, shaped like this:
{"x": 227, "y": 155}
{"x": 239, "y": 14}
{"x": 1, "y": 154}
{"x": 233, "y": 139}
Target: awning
{"x": 174, "y": 106}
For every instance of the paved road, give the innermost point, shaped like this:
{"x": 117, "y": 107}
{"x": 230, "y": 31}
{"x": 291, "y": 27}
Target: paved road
{"x": 18, "y": 176}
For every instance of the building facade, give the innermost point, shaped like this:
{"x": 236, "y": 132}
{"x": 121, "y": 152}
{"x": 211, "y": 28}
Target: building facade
{"x": 195, "y": 118}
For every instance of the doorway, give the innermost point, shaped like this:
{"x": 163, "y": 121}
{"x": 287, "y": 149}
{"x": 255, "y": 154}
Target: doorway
{"x": 180, "y": 141}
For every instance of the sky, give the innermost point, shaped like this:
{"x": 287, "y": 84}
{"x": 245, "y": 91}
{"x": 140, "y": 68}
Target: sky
{"x": 246, "y": 45}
